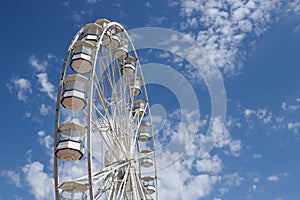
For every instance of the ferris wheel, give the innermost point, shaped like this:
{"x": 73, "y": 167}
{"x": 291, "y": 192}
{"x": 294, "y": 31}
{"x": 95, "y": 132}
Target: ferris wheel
{"x": 103, "y": 122}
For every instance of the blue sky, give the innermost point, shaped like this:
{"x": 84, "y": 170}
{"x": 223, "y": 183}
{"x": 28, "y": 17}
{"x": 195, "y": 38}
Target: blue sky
{"x": 254, "y": 44}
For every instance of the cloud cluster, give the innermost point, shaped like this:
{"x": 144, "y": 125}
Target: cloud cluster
{"x": 294, "y": 126}
{"x": 225, "y": 25}
{"x": 182, "y": 170}
{"x": 24, "y": 86}
{"x": 261, "y": 114}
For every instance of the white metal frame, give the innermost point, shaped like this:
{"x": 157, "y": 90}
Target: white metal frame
{"x": 109, "y": 185}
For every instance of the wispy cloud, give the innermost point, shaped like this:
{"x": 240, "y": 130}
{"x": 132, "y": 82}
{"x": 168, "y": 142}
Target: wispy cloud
{"x": 257, "y": 156}
{"x": 23, "y": 87}
{"x": 38, "y": 65}
{"x": 13, "y": 176}
{"x": 46, "y": 86}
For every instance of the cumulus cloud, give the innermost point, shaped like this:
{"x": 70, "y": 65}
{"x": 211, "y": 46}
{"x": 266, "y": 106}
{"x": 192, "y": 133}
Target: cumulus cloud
{"x": 209, "y": 165}
{"x": 46, "y": 86}
{"x": 40, "y": 183}
{"x": 221, "y": 138}
{"x": 178, "y": 179}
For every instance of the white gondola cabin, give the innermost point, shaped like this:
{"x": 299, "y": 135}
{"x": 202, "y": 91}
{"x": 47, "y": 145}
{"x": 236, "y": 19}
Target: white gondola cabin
{"x": 135, "y": 86}
{"x": 73, "y": 96}
{"x": 139, "y": 108}
{"x": 70, "y": 145}
{"x": 73, "y": 190}
{"x": 91, "y": 32}
{"x": 81, "y": 61}
{"x": 106, "y": 37}
{"x": 146, "y": 161}
{"x": 128, "y": 67}
{"x": 149, "y": 184}
{"x": 121, "y": 52}
{"x": 144, "y": 132}
{"x": 115, "y": 40}
{"x": 70, "y": 195}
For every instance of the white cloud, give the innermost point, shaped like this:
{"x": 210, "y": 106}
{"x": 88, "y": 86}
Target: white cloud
{"x": 254, "y": 187}
{"x": 148, "y": 4}
{"x": 27, "y": 114}
{"x": 177, "y": 178}
{"x": 294, "y": 126}
{"x": 156, "y": 21}
{"x": 248, "y": 112}
{"x": 235, "y": 147}
{"x": 233, "y": 179}
{"x": 51, "y": 56}
{"x": 46, "y": 141}
{"x": 173, "y": 3}
{"x": 273, "y": 178}
{"x": 44, "y": 109}
{"x": 13, "y": 176}
{"x": 290, "y": 107}
{"x": 221, "y": 137}
{"x": 41, "y": 133}
{"x": 209, "y": 165}
{"x": 263, "y": 115}
{"x": 79, "y": 16}
{"x": 279, "y": 119}
{"x": 256, "y": 180}
{"x": 38, "y": 65}
{"x": 226, "y": 24}
{"x": 40, "y": 183}
{"x": 92, "y": 1}
{"x": 256, "y": 156}
{"x": 46, "y": 86}
{"x": 23, "y": 86}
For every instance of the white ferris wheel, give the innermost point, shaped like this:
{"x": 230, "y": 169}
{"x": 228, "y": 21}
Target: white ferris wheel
{"x": 107, "y": 122}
